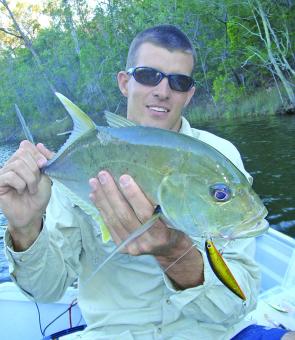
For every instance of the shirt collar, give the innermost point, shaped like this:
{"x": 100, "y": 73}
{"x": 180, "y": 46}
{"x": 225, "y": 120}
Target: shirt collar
{"x": 186, "y": 129}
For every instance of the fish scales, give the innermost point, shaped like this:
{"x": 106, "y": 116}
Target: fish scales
{"x": 152, "y": 155}
{"x": 199, "y": 190}
{"x": 148, "y": 164}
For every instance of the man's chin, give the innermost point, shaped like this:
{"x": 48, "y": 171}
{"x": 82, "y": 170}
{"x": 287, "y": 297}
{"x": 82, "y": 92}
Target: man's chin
{"x": 157, "y": 121}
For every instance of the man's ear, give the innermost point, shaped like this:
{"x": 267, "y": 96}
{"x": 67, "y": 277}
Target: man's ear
{"x": 122, "y": 78}
{"x": 189, "y": 96}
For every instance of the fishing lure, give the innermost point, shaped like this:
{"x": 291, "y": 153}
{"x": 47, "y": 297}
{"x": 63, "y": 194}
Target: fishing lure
{"x": 221, "y": 269}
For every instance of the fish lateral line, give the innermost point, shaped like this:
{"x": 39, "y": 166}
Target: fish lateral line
{"x": 221, "y": 269}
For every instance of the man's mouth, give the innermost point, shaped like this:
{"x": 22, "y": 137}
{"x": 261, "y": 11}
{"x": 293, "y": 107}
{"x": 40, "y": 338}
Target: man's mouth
{"x": 157, "y": 108}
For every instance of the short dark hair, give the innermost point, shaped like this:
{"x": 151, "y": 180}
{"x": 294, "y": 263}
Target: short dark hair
{"x": 167, "y": 36}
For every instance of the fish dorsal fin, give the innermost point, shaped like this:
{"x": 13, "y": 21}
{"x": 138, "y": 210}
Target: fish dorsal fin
{"x": 81, "y": 121}
{"x": 117, "y": 121}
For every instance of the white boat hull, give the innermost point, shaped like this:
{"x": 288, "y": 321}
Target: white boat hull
{"x": 19, "y": 316}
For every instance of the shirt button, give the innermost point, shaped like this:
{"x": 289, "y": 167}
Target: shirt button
{"x": 159, "y": 330}
{"x": 168, "y": 301}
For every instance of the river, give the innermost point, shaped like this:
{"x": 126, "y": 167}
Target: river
{"x": 267, "y": 146}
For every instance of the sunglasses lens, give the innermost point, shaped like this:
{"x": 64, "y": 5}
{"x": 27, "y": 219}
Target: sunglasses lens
{"x": 147, "y": 76}
{"x": 152, "y": 77}
{"x": 180, "y": 82}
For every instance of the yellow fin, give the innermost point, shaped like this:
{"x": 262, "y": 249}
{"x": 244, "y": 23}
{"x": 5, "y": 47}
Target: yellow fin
{"x": 81, "y": 121}
{"x": 89, "y": 209}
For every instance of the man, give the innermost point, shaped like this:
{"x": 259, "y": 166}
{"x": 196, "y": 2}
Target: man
{"x": 137, "y": 295}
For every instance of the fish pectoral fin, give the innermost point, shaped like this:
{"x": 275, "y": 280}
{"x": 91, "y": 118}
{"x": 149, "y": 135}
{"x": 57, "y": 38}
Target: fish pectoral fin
{"x": 117, "y": 121}
{"x": 136, "y": 233}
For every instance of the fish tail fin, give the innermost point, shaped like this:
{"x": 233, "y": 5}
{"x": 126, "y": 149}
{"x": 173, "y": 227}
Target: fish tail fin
{"x": 24, "y": 125}
{"x": 81, "y": 121}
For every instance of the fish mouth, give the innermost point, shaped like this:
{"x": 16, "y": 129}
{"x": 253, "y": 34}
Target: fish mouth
{"x": 251, "y": 227}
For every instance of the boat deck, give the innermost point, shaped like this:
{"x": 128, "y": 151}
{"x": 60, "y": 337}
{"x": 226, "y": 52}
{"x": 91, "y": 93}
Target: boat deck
{"x": 276, "y": 256}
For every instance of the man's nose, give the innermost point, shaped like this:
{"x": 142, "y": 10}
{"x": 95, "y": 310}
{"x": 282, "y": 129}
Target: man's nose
{"x": 162, "y": 90}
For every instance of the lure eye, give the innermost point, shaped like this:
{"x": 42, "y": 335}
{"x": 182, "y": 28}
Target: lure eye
{"x": 220, "y": 192}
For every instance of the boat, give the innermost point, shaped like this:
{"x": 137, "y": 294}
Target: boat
{"x": 275, "y": 254}
{"x": 23, "y": 319}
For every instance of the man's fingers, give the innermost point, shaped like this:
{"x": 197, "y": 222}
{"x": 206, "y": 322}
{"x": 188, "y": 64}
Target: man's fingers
{"x": 38, "y": 157}
{"x": 123, "y": 210}
{"x": 23, "y": 166}
{"x": 10, "y": 180}
{"x": 142, "y": 207}
{"x": 107, "y": 211}
{"x": 119, "y": 204}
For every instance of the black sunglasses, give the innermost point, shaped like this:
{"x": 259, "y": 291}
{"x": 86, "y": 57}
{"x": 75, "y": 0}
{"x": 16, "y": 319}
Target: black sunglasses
{"x": 152, "y": 77}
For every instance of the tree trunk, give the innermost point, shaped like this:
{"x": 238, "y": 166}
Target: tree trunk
{"x": 271, "y": 55}
{"x": 71, "y": 27}
{"x": 29, "y": 46}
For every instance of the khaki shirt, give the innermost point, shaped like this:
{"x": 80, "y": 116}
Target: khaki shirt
{"x": 131, "y": 297}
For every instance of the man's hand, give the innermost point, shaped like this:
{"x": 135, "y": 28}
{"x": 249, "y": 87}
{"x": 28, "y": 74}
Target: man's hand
{"x": 25, "y": 192}
{"x": 124, "y": 209}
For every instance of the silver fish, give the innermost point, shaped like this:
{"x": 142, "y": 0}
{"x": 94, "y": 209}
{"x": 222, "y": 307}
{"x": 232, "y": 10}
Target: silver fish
{"x": 198, "y": 189}
{"x": 189, "y": 179}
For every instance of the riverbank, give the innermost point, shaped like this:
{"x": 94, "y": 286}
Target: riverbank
{"x": 42, "y": 132}
{"x": 264, "y": 102}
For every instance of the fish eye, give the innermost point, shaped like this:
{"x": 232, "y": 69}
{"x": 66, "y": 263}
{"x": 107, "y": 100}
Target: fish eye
{"x": 220, "y": 192}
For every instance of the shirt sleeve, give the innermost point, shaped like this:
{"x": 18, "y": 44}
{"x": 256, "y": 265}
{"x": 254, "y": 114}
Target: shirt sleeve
{"x": 51, "y": 264}
{"x": 213, "y": 302}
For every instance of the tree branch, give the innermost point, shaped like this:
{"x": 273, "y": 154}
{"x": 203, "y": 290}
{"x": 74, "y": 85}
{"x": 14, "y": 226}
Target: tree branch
{"x": 10, "y": 33}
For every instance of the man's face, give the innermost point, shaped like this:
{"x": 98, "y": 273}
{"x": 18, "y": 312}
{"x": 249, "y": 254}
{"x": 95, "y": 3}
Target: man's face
{"x": 157, "y": 106}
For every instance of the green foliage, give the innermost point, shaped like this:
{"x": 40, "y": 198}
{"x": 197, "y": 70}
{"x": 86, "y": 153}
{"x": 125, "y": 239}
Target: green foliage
{"x": 225, "y": 35}
{"x": 225, "y": 91}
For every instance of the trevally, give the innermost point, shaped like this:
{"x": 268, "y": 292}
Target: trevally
{"x": 189, "y": 179}
{"x": 198, "y": 189}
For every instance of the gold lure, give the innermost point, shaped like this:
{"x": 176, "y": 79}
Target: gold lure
{"x": 221, "y": 269}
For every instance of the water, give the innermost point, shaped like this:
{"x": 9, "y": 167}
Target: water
{"x": 267, "y": 147}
